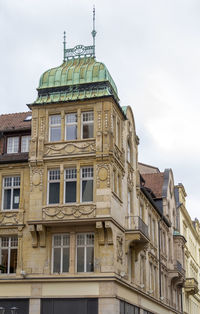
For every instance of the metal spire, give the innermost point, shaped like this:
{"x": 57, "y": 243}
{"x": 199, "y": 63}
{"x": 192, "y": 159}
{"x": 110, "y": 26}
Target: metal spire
{"x": 64, "y": 46}
{"x": 94, "y": 31}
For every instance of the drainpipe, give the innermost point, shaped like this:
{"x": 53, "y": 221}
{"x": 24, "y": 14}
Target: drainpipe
{"x": 159, "y": 257}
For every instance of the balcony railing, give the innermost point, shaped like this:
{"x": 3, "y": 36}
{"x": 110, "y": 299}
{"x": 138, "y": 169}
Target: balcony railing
{"x": 179, "y": 268}
{"x": 135, "y": 223}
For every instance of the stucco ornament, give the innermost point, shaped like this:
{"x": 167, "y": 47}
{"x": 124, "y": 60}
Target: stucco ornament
{"x": 65, "y": 212}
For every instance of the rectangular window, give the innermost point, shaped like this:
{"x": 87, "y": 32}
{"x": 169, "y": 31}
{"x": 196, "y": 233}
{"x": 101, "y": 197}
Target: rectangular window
{"x": 85, "y": 252}
{"x": 55, "y": 128}
{"x": 87, "y": 184}
{"x": 8, "y": 254}
{"x": 71, "y": 126}
{"x": 88, "y": 124}
{"x": 70, "y": 185}
{"x": 12, "y": 145}
{"x": 60, "y": 254}
{"x": 54, "y": 186}
{"x": 11, "y": 192}
{"x": 25, "y": 142}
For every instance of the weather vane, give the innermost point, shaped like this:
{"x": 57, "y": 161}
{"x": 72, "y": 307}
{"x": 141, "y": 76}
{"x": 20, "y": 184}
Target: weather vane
{"x": 80, "y": 50}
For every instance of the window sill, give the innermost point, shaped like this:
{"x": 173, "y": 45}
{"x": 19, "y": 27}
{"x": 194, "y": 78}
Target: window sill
{"x": 10, "y": 210}
{"x": 71, "y": 141}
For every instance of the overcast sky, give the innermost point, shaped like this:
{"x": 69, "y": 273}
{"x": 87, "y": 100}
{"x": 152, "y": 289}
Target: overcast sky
{"x": 152, "y": 50}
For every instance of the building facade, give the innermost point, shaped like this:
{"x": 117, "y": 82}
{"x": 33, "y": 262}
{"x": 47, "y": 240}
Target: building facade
{"x": 191, "y": 231}
{"x": 83, "y": 227}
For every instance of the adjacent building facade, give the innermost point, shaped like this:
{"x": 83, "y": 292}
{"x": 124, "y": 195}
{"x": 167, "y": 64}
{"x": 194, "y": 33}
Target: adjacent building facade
{"x": 84, "y": 228}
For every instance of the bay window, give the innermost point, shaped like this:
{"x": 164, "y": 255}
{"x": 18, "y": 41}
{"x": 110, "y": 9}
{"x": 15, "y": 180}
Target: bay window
{"x": 85, "y": 252}
{"x": 86, "y": 184}
{"x": 71, "y": 126}
{"x": 55, "y": 128}
{"x": 8, "y": 254}
{"x": 87, "y": 124}
{"x": 60, "y": 254}
{"x": 11, "y": 192}
{"x": 54, "y": 186}
{"x": 70, "y": 185}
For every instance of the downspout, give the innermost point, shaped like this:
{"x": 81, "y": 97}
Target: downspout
{"x": 159, "y": 257}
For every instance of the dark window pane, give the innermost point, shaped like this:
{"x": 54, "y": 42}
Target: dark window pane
{"x": 16, "y": 194}
{"x": 122, "y": 307}
{"x": 55, "y": 134}
{"x": 4, "y": 260}
{"x": 13, "y": 261}
{"x": 88, "y": 130}
{"x": 90, "y": 259}
{"x": 71, "y": 131}
{"x": 56, "y": 260}
{"x": 70, "y": 192}
{"x": 54, "y": 193}
{"x": 65, "y": 260}
{"x": 7, "y": 199}
{"x": 80, "y": 259}
{"x": 87, "y": 191}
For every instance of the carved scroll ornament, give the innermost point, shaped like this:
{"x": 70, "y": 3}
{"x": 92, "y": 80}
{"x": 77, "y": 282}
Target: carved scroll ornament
{"x": 66, "y": 212}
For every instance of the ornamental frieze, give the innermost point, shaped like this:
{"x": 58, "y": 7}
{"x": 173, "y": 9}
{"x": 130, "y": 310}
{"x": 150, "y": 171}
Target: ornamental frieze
{"x": 69, "y": 148}
{"x": 103, "y": 175}
{"x": 69, "y": 212}
{"x": 11, "y": 218}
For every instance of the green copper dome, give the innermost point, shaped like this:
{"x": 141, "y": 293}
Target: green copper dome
{"x": 76, "y": 78}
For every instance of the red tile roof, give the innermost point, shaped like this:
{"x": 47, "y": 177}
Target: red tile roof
{"x": 154, "y": 181}
{"x": 15, "y": 121}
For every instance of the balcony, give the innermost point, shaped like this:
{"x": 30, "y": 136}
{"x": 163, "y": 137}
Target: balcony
{"x": 177, "y": 275}
{"x": 136, "y": 234}
{"x": 191, "y": 286}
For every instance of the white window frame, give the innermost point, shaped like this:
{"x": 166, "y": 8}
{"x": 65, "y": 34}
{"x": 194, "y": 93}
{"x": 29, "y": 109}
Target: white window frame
{"x": 27, "y": 139}
{"x": 89, "y": 178}
{"x": 52, "y": 181}
{"x": 56, "y": 125}
{"x": 9, "y": 247}
{"x": 13, "y": 139}
{"x": 70, "y": 124}
{"x": 61, "y": 255}
{"x": 12, "y": 187}
{"x": 70, "y": 180}
{"x": 85, "y": 246}
{"x": 86, "y": 122}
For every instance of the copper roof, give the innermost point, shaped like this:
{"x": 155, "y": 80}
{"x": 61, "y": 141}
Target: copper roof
{"x": 154, "y": 181}
{"x": 15, "y": 121}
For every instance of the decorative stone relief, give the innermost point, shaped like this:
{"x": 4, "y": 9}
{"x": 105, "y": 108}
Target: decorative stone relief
{"x": 36, "y": 177}
{"x": 69, "y": 148}
{"x": 106, "y": 119}
{"x": 99, "y": 120}
{"x": 103, "y": 174}
{"x": 119, "y": 248}
{"x": 11, "y": 218}
{"x": 69, "y": 212}
{"x": 130, "y": 176}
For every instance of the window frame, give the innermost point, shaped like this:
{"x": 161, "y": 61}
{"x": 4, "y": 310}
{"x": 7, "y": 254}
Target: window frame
{"x": 54, "y": 126}
{"x": 69, "y": 180}
{"x": 71, "y": 124}
{"x": 13, "y": 145}
{"x": 12, "y": 187}
{"x": 85, "y": 246}
{"x": 55, "y": 181}
{"x": 61, "y": 253}
{"x": 8, "y": 248}
{"x": 88, "y": 179}
{"x": 28, "y": 137}
{"x": 86, "y": 123}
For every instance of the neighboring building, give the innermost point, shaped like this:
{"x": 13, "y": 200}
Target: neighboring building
{"x": 191, "y": 231}
{"x": 81, "y": 230}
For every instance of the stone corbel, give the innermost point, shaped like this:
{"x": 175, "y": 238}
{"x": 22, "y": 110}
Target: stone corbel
{"x": 100, "y": 229}
{"x": 109, "y": 232}
{"x": 42, "y": 235}
{"x": 33, "y": 232}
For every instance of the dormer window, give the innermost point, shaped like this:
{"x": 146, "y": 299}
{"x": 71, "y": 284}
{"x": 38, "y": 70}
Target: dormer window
{"x": 13, "y": 145}
{"x": 25, "y": 143}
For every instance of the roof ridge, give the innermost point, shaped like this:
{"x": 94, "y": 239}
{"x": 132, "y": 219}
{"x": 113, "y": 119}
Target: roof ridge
{"x": 9, "y": 114}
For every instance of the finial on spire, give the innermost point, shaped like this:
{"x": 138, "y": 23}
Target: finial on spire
{"x": 94, "y": 31}
{"x": 64, "y": 46}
